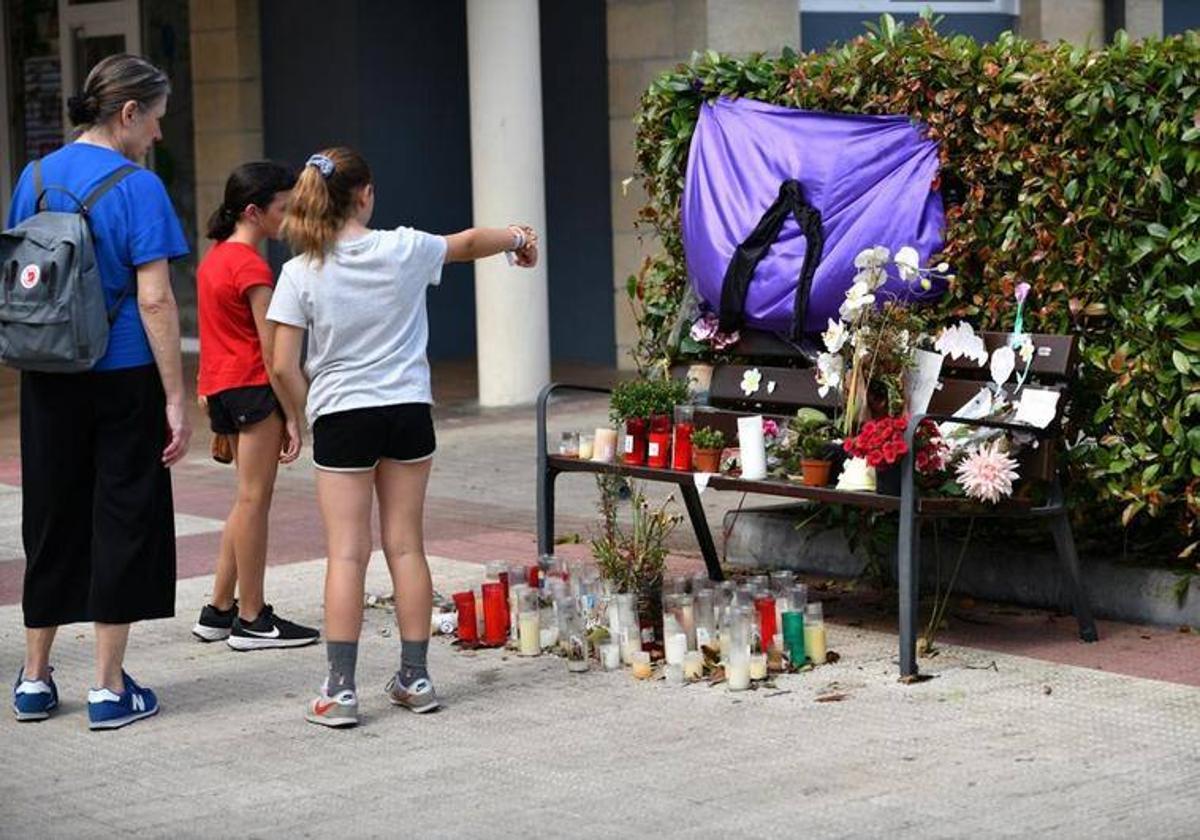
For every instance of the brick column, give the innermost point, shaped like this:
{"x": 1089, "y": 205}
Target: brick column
{"x": 646, "y": 37}
{"x": 227, "y": 96}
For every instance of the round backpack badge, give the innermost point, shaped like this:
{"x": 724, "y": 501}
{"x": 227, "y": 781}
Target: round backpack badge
{"x": 30, "y": 275}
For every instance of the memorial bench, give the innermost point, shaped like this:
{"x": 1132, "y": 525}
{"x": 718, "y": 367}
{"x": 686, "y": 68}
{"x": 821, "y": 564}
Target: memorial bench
{"x": 1053, "y": 366}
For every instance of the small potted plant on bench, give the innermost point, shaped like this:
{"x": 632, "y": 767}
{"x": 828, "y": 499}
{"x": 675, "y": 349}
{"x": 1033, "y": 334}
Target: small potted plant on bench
{"x": 707, "y": 445}
{"x": 813, "y": 433}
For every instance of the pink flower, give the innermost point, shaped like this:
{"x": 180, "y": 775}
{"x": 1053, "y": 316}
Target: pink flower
{"x": 705, "y": 327}
{"x": 1022, "y": 292}
{"x": 722, "y": 340}
{"x": 987, "y": 473}
{"x": 770, "y": 428}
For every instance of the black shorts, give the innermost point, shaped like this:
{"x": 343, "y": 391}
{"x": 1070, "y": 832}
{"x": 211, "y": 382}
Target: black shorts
{"x": 97, "y": 517}
{"x": 233, "y": 410}
{"x": 355, "y": 440}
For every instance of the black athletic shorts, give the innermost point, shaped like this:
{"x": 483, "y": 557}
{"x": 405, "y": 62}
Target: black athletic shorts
{"x": 97, "y": 515}
{"x": 355, "y": 440}
{"x": 232, "y": 410}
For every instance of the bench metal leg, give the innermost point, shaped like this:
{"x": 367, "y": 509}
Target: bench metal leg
{"x": 1064, "y": 544}
{"x": 908, "y": 568}
{"x": 691, "y": 500}
{"x": 545, "y": 507}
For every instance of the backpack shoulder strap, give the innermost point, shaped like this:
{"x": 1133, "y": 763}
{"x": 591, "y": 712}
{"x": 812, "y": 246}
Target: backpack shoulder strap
{"x": 39, "y": 194}
{"x": 118, "y": 175}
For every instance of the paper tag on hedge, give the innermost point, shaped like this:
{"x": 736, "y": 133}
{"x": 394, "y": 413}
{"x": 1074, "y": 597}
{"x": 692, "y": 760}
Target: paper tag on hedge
{"x": 1037, "y": 407}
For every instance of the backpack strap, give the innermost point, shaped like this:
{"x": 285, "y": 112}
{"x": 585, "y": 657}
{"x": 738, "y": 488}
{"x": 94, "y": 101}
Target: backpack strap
{"x": 750, "y": 252}
{"x": 39, "y": 194}
{"x": 118, "y": 175}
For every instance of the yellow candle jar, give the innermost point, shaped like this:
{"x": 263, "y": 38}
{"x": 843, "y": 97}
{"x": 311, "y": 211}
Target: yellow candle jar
{"x": 814, "y": 633}
{"x": 640, "y": 661}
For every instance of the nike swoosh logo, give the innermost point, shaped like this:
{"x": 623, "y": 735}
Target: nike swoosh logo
{"x": 274, "y": 634}
{"x": 321, "y": 708}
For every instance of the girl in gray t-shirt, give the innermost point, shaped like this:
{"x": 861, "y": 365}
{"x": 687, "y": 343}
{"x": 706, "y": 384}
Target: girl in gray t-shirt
{"x": 360, "y": 294}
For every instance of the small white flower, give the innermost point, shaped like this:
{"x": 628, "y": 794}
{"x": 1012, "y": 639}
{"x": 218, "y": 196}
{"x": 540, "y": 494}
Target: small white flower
{"x": 943, "y": 267}
{"x": 1026, "y": 351}
{"x": 1004, "y": 361}
{"x": 834, "y": 336}
{"x": 908, "y": 261}
{"x": 858, "y": 297}
{"x": 750, "y": 381}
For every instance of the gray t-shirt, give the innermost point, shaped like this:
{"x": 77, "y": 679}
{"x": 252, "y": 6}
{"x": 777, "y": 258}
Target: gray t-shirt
{"x": 364, "y": 308}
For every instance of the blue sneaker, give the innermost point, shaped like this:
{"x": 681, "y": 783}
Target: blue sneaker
{"x": 34, "y": 699}
{"x": 107, "y": 710}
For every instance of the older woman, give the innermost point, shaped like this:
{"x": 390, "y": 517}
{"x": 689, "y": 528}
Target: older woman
{"x": 98, "y": 521}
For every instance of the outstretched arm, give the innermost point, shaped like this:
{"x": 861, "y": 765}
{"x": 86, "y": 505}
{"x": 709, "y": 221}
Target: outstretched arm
{"x": 477, "y": 243}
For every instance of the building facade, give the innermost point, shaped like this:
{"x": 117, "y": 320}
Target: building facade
{"x": 422, "y": 89}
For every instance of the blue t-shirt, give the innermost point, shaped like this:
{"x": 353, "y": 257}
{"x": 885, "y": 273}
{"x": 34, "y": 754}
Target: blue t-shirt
{"x": 133, "y": 224}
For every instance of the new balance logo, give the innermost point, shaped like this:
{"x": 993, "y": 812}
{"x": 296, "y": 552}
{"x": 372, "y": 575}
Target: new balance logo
{"x": 138, "y": 702}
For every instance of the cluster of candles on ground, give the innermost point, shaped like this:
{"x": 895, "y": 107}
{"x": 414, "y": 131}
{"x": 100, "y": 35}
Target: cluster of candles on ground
{"x": 655, "y": 442}
{"x": 568, "y": 609}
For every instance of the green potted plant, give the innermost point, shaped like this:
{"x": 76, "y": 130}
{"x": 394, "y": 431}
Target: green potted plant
{"x": 813, "y": 433}
{"x": 642, "y": 406}
{"x": 707, "y": 444}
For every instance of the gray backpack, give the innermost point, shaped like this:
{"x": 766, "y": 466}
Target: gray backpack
{"x": 53, "y": 316}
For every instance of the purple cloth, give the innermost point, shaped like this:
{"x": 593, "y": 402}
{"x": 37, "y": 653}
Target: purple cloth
{"x": 871, "y": 178}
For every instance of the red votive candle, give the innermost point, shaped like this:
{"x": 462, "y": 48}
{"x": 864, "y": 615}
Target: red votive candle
{"x": 681, "y": 447}
{"x": 766, "y": 620}
{"x": 657, "y": 449}
{"x": 495, "y": 614}
{"x": 533, "y": 576}
{"x": 468, "y": 630}
{"x": 633, "y": 448}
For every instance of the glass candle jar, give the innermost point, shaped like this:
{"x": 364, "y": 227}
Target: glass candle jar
{"x": 610, "y": 656}
{"x": 793, "y": 636}
{"x": 693, "y": 665}
{"x": 758, "y": 666}
{"x": 529, "y": 637}
{"x": 676, "y": 648}
{"x": 681, "y": 438}
{"x": 604, "y": 445}
{"x": 495, "y": 613}
{"x": 515, "y": 593}
{"x": 468, "y": 624}
{"x": 568, "y": 445}
{"x": 640, "y": 663}
{"x": 766, "y": 622}
{"x": 814, "y": 633}
{"x": 633, "y": 450}
{"x": 630, "y": 636}
{"x": 781, "y": 581}
{"x": 576, "y": 638}
{"x": 706, "y": 618}
{"x": 586, "y": 446}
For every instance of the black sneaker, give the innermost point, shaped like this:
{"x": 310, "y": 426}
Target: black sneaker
{"x": 214, "y": 624}
{"x": 269, "y": 631}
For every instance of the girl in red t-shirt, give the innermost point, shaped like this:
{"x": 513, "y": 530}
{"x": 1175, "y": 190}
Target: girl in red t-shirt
{"x": 234, "y": 286}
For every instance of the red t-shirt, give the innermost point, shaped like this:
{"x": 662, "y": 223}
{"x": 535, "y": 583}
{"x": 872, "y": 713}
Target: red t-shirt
{"x": 230, "y": 352}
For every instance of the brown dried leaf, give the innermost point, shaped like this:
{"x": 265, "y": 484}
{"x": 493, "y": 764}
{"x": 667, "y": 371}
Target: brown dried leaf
{"x": 835, "y": 697}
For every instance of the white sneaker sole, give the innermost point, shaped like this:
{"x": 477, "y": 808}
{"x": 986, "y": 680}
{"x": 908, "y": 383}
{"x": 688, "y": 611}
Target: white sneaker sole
{"x": 332, "y": 723}
{"x": 117, "y": 723}
{"x": 431, "y": 706}
{"x": 210, "y": 634}
{"x": 254, "y": 643}
{"x": 26, "y": 717}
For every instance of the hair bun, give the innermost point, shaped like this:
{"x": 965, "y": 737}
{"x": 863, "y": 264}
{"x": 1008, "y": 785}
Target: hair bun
{"x": 81, "y": 109}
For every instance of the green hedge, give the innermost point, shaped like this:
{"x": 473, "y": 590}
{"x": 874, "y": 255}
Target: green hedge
{"x": 1074, "y": 170}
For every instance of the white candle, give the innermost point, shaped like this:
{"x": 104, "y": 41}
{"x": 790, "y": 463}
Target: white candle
{"x": 529, "y": 635}
{"x": 752, "y": 448}
{"x": 604, "y": 445}
{"x": 737, "y": 674}
{"x": 610, "y": 656}
{"x": 758, "y": 666}
{"x": 676, "y": 648}
{"x": 631, "y": 643}
{"x": 693, "y": 665}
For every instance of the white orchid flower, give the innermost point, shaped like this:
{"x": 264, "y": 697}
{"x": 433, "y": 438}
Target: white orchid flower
{"x": 835, "y": 336}
{"x": 876, "y": 257}
{"x": 858, "y": 297}
{"x": 908, "y": 261}
{"x": 830, "y": 367}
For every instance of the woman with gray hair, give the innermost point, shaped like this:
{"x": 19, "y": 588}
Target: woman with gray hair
{"x": 98, "y": 518}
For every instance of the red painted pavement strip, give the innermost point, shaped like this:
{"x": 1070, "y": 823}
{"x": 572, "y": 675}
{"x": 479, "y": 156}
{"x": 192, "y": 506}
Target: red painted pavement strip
{"x": 476, "y": 532}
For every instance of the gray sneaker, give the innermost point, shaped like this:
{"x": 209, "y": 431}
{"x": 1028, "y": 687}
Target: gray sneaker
{"x": 338, "y": 711}
{"x": 418, "y": 697}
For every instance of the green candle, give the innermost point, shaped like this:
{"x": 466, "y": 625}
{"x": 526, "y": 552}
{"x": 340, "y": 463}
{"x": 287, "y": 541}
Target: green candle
{"x": 793, "y": 636}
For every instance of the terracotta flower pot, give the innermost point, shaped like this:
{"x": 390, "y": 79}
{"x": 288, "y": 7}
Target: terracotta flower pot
{"x": 707, "y": 460}
{"x": 815, "y": 472}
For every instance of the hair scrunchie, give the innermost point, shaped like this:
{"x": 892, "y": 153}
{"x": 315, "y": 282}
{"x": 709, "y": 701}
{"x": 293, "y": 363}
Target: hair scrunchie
{"x": 323, "y": 164}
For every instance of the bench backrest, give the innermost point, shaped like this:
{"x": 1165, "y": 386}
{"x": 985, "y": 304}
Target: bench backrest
{"x": 795, "y": 387}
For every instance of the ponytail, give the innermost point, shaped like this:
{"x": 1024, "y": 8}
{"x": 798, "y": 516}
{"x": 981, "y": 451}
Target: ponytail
{"x": 251, "y": 183}
{"x": 324, "y": 200}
